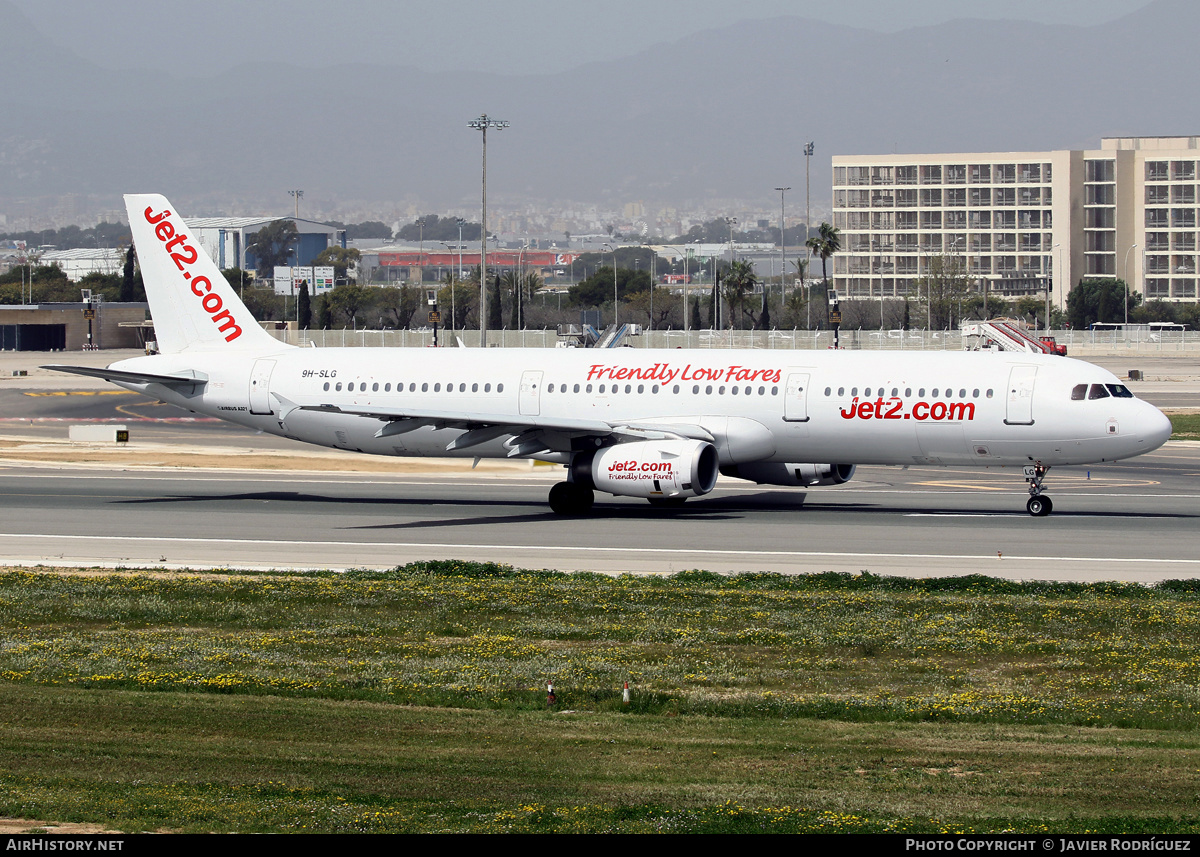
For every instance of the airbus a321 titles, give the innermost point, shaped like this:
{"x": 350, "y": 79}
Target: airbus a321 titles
{"x": 654, "y": 424}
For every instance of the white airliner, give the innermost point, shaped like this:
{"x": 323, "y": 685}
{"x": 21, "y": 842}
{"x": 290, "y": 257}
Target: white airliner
{"x": 654, "y": 424}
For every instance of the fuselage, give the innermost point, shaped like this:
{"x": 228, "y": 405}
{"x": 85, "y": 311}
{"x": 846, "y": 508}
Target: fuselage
{"x": 940, "y": 408}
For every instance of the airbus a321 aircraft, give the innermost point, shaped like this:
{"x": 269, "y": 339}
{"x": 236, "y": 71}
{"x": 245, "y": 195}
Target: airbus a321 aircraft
{"x": 655, "y": 424}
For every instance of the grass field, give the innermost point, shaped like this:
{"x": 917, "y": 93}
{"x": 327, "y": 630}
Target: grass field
{"x": 1185, "y": 426}
{"x": 415, "y": 700}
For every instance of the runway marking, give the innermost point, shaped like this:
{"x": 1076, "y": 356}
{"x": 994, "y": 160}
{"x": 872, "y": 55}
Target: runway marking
{"x": 82, "y": 393}
{"x": 964, "y": 485}
{"x": 574, "y": 549}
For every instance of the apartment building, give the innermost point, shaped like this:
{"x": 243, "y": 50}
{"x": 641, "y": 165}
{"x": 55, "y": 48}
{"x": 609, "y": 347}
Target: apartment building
{"x": 1022, "y": 222}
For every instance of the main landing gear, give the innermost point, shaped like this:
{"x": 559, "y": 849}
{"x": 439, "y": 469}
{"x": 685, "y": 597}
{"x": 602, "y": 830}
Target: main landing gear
{"x": 1039, "y": 505}
{"x": 571, "y": 498}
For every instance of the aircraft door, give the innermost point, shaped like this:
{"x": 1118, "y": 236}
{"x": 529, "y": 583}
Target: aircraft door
{"x": 531, "y": 392}
{"x": 795, "y": 400}
{"x": 260, "y": 386}
{"x": 1020, "y": 396}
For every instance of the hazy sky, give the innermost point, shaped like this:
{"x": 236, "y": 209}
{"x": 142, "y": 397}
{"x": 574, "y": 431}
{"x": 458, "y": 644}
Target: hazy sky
{"x": 513, "y": 36}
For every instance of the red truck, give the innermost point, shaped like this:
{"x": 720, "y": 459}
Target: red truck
{"x": 1052, "y": 344}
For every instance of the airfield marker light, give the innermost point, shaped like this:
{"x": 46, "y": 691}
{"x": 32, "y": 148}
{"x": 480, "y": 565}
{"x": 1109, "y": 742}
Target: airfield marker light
{"x": 625, "y": 694}
{"x": 551, "y": 699}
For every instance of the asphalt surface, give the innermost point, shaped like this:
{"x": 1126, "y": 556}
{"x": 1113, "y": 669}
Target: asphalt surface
{"x": 1134, "y": 520}
{"x": 1130, "y": 521}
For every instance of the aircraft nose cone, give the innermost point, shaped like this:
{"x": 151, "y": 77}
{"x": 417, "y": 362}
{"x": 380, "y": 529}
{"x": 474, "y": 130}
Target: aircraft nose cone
{"x": 1153, "y": 428}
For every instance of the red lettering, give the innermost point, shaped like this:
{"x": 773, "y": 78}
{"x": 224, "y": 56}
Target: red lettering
{"x": 178, "y": 239}
{"x": 849, "y": 415}
{"x": 894, "y": 411}
{"x": 211, "y": 303}
{"x": 230, "y": 325}
{"x": 866, "y": 410}
{"x": 150, "y": 219}
{"x": 935, "y": 413}
{"x": 164, "y": 230}
{"x": 196, "y": 285}
{"x": 920, "y": 411}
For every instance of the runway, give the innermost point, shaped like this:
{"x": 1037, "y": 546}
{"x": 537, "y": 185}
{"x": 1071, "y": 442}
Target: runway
{"x": 1134, "y": 520}
{"x": 1129, "y": 521}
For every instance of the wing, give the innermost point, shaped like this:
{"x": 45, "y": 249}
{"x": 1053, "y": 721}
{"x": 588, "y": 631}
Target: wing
{"x": 530, "y": 435}
{"x": 194, "y": 379}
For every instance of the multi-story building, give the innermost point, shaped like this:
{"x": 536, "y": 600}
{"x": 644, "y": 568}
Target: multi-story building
{"x": 1022, "y": 221}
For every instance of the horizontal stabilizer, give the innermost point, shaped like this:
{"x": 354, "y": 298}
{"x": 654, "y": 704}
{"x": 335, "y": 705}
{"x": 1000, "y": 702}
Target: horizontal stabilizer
{"x": 193, "y": 379}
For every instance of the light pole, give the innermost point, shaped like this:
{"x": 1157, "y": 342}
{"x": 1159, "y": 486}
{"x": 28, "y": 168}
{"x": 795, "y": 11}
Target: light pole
{"x": 482, "y": 124}
{"x": 782, "y": 248}
{"x": 296, "y": 195}
{"x": 1058, "y": 271}
{"x": 421, "y": 251}
{"x": 461, "y": 222}
{"x": 616, "y": 303}
{"x": 730, "y": 222}
{"x": 808, "y": 153}
{"x": 454, "y": 279}
{"x": 1132, "y": 247}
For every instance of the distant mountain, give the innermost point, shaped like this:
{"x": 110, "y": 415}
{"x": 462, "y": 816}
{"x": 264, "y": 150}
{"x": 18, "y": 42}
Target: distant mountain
{"x": 722, "y": 113}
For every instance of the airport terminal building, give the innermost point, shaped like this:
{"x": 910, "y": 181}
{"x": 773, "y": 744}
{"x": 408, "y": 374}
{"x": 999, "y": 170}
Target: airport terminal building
{"x": 1022, "y": 221}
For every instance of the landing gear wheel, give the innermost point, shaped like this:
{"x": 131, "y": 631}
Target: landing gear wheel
{"x": 1039, "y": 506}
{"x": 568, "y": 498}
{"x": 667, "y": 502}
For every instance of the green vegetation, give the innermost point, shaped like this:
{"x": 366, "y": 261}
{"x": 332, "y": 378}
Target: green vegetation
{"x": 1185, "y": 426}
{"x": 415, "y": 700}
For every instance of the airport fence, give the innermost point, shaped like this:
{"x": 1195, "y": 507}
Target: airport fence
{"x": 1078, "y": 342}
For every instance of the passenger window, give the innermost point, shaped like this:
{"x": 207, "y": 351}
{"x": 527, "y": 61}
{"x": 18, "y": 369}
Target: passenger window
{"x": 895, "y": 392}
{"x": 867, "y": 392}
{"x": 854, "y": 391}
{"x": 350, "y": 387}
{"x": 475, "y": 388}
{"x": 499, "y": 388}
{"x": 841, "y": 391}
{"x": 412, "y": 388}
{"x": 326, "y": 385}
{"x": 774, "y": 391}
{"x": 549, "y": 388}
{"x": 1079, "y": 392}
{"x": 907, "y": 392}
{"x": 654, "y": 389}
{"x": 989, "y": 394}
{"x": 933, "y": 395}
{"x": 1098, "y": 392}
{"x": 708, "y": 390}
{"x": 696, "y": 390}
{"x": 975, "y": 393}
{"x": 921, "y": 393}
{"x": 487, "y": 388}
{"x": 437, "y": 388}
{"x": 827, "y": 391}
{"x": 675, "y": 389}
{"x": 576, "y": 388}
{"x": 338, "y": 388}
{"x": 733, "y": 390}
{"x": 462, "y": 388}
{"x": 962, "y": 394}
{"x": 588, "y": 389}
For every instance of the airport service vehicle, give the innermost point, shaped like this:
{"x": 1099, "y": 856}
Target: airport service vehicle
{"x": 654, "y": 424}
{"x": 1052, "y": 343}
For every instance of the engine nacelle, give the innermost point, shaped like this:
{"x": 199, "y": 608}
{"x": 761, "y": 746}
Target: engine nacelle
{"x": 655, "y": 468}
{"x": 770, "y": 473}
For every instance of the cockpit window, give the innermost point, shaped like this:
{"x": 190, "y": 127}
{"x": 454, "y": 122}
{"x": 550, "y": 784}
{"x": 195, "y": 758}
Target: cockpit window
{"x": 1120, "y": 391}
{"x": 1098, "y": 392}
{"x": 1078, "y": 392}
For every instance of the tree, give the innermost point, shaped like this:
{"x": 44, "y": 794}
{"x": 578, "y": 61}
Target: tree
{"x": 739, "y": 286}
{"x": 346, "y": 300}
{"x": 128, "y": 286}
{"x": 824, "y": 244}
{"x": 340, "y": 259}
{"x": 1098, "y": 299}
{"x": 397, "y": 305}
{"x": 945, "y": 285}
{"x": 324, "y": 314}
{"x": 656, "y": 304}
{"x": 495, "y": 306}
{"x": 303, "y": 308}
{"x": 457, "y": 300}
{"x": 272, "y": 246}
{"x": 430, "y": 227}
{"x": 597, "y": 289}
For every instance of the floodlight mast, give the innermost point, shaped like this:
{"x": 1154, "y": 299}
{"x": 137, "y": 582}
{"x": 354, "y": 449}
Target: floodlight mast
{"x": 482, "y": 124}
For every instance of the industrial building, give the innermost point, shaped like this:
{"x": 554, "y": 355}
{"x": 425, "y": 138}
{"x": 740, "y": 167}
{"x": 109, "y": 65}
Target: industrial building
{"x": 1022, "y": 221}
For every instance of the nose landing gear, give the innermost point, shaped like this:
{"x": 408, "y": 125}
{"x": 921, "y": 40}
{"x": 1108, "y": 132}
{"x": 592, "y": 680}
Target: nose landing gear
{"x": 1038, "y": 505}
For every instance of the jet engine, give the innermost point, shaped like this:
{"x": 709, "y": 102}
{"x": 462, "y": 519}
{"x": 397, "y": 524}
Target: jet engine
{"x": 770, "y": 473}
{"x": 653, "y": 469}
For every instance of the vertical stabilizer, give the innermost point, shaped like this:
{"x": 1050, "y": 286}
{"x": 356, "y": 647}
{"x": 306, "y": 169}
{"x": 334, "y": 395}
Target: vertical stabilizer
{"x": 193, "y": 307}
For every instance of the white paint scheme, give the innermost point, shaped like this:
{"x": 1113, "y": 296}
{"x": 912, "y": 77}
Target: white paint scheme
{"x": 537, "y": 403}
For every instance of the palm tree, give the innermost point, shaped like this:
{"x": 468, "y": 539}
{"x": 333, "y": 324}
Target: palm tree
{"x": 739, "y": 284}
{"x": 824, "y": 244}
